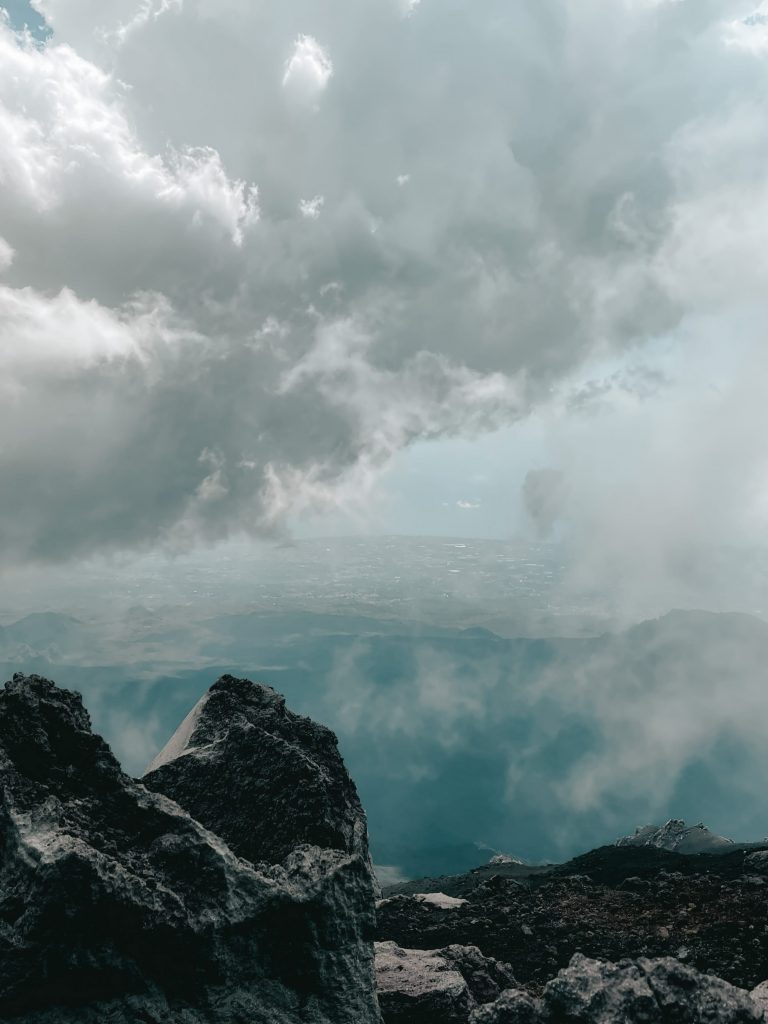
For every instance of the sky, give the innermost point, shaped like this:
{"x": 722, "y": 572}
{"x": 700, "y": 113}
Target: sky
{"x": 382, "y": 266}
{"x": 462, "y": 268}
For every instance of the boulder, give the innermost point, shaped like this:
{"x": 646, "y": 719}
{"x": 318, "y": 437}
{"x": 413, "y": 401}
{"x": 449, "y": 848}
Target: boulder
{"x": 261, "y": 777}
{"x": 418, "y": 986}
{"x": 117, "y": 905}
{"x": 635, "y": 991}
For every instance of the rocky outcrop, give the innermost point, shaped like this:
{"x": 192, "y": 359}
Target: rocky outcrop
{"x": 117, "y": 905}
{"x": 281, "y": 775}
{"x": 662, "y": 991}
{"x": 678, "y": 837}
{"x": 440, "y": 986}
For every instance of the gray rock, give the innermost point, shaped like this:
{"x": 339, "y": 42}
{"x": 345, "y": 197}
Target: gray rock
{"x": 677, "y": 837}
{"x": 486, "y": 978}
{"x": 757, "y": 861}
{"x": 760, "y": 997}
{"x": 639, "y": 991}
{"x": 117, "y": 906}
{"x": 417, "y": 986}
{"x": 512, "y": 1007}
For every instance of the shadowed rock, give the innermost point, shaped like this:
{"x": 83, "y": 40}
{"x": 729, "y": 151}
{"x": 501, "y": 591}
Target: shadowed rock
{"x": 264, "y": 779}
{"x": 662, "y": 991}
{"x": 440, "y": 986}
{"x": 116, "y": 905}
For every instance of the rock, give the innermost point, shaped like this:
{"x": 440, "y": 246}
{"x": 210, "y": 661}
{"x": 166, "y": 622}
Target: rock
{"x": 417, "y": 986}
{"x": 757, "y": 861}
{"x": 639, "y": 991}
{"x": 678, "y": 837}
{"x": 760, "y": 997}
{"x": 439, "y": 899}
{"x": 263, "y": 778}
{"x": 116, "y": 905}
{"x": 512, "y": 1007}
{"x": 486, "y": 978}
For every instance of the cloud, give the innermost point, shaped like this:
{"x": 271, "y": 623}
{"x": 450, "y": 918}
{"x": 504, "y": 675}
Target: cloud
{"x": 565, "y": 200}
{"x": 308, "y": 70}
{"x": 6, "y": 255}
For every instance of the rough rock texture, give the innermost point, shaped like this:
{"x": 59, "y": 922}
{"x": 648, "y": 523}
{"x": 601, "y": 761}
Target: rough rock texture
{"x": 760, "y": 997}
{"x": 116, "y": 906}
{"x": 283, "y": 776}
{"x": 419, "y": 986}
{"x": 661, "y": 991}
{"x": 675, "y": 835}
{"x": 610, "y": 904}
{"x": 512, "y": 1007}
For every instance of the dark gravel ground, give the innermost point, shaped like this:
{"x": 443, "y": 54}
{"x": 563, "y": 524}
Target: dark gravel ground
{"x": 711, "y": 911}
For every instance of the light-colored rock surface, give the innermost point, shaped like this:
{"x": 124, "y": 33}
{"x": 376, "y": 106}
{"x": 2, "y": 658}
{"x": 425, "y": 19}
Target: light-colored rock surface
{"x": 420, "y": 985}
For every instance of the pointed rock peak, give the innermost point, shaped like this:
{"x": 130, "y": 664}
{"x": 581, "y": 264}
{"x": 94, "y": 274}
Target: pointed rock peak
{"x": 115, "y": 905}
{"x": 45, "y": 735}
{"x": 285, "y": 781}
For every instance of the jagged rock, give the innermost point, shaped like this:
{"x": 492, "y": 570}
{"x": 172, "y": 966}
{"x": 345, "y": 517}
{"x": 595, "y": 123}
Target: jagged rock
{"x": 116, "y": 905}
{"x": 757, "y": 861}
{"x": 281, "y": 775}
{"x": 639, "y": 991}
{"x": 419, "y": 986}
{"x": 512, "y": 1007}
{"x": 676, "y": 836}
{"x": 486, "y": 978}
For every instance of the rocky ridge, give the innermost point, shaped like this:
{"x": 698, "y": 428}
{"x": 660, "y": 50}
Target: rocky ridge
{"x": 117, "y": 905}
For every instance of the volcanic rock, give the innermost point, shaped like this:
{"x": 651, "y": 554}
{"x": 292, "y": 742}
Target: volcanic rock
{"x": 676, "y": 836}
{"x": 633, "y": 992}
{"x": 662, "y": 991}
{"x": 116, "y": 905}
{"x": 261, "y": 777}
{"x": 440, "y": 986}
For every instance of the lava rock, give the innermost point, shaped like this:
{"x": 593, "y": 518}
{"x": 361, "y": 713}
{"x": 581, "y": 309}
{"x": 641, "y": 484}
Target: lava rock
{"x": 635, "y": 992}
{"x": 263, "y": 778}
{"x": 512, "y": 1007}
{"x": 116, "y": 905}
{"x": 417, "y": 986}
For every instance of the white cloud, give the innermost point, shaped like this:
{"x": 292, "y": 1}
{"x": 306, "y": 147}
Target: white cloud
{"x": 531, "y": 238}
{"x": 6, "y": 255}
{"x": 308, "y": 70}
{"x": 310, "y": 208}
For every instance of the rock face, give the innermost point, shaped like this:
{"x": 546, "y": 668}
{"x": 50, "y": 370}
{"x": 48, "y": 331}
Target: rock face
{"x": 116, "y": 905}
{"x": 440, "y": 986}
{"x": 283, "y": 777}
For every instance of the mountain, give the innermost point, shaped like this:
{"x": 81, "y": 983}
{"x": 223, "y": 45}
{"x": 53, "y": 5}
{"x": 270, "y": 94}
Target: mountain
{"x": 116, "y": 904}
{"x": 676, "y": 835}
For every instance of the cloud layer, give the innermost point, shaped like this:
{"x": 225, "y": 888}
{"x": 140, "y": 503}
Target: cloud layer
{"x": 249, "y": 252}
